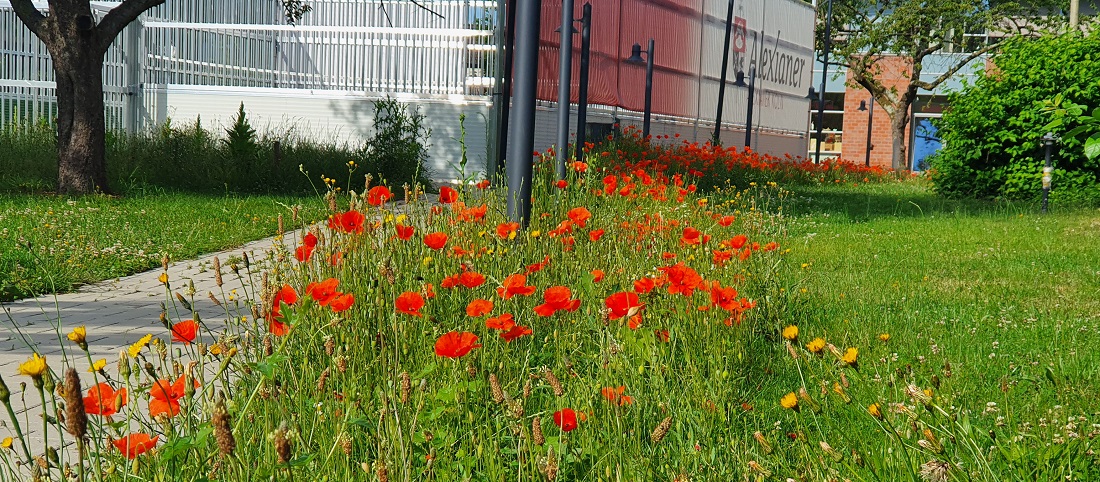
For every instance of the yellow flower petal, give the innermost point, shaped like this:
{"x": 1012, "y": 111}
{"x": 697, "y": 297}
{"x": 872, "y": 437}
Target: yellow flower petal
{"x": 136, "y": 347}
{"x": 34, "y": 367}
{"x": 97, "y": 365}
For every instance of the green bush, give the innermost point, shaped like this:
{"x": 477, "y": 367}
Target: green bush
{"x": 992, "y": 130}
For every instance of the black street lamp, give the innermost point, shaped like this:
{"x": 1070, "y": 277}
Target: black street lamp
{"x": 636, "y": 58}
{"x": 752, "y": 97}
{"x": 582, "y": 94}
{"x": 565, "y": 76}
{"x": 1048, "y": 142}
{"x": 870, "y": 125}
{"x": 824, "y": 73}
{"x": 717, "y": 140}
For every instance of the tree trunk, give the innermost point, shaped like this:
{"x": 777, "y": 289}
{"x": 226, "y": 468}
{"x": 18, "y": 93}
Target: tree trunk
{"x": 898, "y": 124}
{"x": 81, "y": 152}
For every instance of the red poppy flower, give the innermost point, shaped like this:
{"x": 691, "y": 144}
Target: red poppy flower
{"x": 503, "y": 322}
{"x": 435, "y": 241}
{"x": 324, "y": 291}
{"x": 447, "y": 195}
{"x": 515, "y": 332}
{"x": 286, "y": 295}
{"x": 722, "y": 257}
{"x": 557, "y": 298}
{"x": 515, "y": 285}
{"x": 303, "y": 253}
{"x": 667, "y": 255}
{"x": 738, "y": 241}
{"x": 456, "y": 344}
{"x": 565, "y": 419}
{"x": 597, "y": 275}
{"x": 579, "y": 166}
{"x": 623, "y": 303}
{"x": 744, "y": 254}
{"x": 185, "y": 331}
{"x": 644, "y": 285}
{"x": 772, "y": 246}
{"x": 561, "y": 184}
{"x": 479, "y": 307}
{"x": 473, "y": 214}
{"x": 725, "y": 221}
{"x": 681, "y": 279}
{"x": 101, "y": 400}
{"x": 483, "y": 184}
{"x": 135, "y": 444}
{"x": 428, "y": 290}
{"x": 336, "y": 258}
{"x": 342, "y": 302}
{"x": 471, "y": 279}
{"x": 409, "y": 303}
{"x": 404, "y": 232}
{"x": 165, "y": 396}
{"x": 693, "y": 237}
{"x": 310, "y": 240}
{"x": 579, "y": 216}
{"x": 615, "y": 396}
{"x": 278, "y": 328}
{"x": 725, "y": 298}
{"x": 595, "y": 235}
{"x": 504, "y": 230}
{"x": 378, "y": 195}
{"x": 348, "y": 222}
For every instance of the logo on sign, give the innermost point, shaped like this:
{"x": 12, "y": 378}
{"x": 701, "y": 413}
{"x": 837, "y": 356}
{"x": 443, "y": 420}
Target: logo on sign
{"x": 740, "y": 32}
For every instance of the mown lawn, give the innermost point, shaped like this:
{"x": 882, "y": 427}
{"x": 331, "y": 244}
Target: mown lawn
{"x": 50, "y": 243}
{"x": 992, "y": 307}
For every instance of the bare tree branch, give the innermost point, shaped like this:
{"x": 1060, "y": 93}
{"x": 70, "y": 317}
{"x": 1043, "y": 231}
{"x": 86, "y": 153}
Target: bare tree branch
{"x": 955, "y": 68}
{"x": 121, "y": 16}
{"x": 31, "y": 17}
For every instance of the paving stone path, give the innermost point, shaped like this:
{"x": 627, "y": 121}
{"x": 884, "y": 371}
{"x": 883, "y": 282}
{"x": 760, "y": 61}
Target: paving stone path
{"x": 116, "y": 313}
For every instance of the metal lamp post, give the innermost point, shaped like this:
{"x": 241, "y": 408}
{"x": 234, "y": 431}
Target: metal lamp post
{"x": 812, "y": 97}
{"x": 518, "y": 163}
{"x": 636, "y": 58}
{"x": 582, "y": 94}
{"x": 1048, "y": 142}
{"x": 752, "y": 96}
{"x": 717, "y": 139}
{"x": 824, "y": 73}
{"x": 870, "y": 125}
{"x": 565, "y": 76}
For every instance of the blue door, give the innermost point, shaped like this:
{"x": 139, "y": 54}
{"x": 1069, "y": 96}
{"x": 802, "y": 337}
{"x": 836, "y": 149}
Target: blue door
{"x": 926, "y": 141}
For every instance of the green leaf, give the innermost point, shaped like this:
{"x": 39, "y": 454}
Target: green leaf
{"x": 1092, "y": 147}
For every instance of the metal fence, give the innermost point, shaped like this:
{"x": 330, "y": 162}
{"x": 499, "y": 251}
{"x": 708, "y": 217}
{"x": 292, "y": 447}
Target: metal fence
{"x": 432, "y": 48}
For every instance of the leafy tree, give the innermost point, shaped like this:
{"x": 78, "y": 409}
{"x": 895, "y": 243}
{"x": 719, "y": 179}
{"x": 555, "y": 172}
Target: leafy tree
{"x": 77, "y": 45}
{"x": 866, "y": 31}
{"x": 992, "y": 132}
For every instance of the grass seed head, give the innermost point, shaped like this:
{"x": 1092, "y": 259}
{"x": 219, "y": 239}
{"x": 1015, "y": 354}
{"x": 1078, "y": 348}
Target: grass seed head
{"x": 282, "y": 444}
{"x": 223, "y": 431}
{"x": 330, "y": 345}
{"x": 322, "y": 379}
{"x": 764, "y": 444}
{"x": 76, "y": 418}
{"x": 494, "y": 388}
{"x": 555, "y": 384}
{"x": 406, "y": 387}
{"x": 536, "y": 431}
{"x": 217, "y": 272}
{"x": 661, "y": 431}
{"x": 381, "y": 472}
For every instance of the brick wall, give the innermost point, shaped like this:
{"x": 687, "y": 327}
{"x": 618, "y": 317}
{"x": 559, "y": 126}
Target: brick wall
{"x": 895, "y": 73}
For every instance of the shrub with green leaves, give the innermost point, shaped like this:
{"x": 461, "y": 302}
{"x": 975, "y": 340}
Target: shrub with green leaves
{"x": 992, "y": 130}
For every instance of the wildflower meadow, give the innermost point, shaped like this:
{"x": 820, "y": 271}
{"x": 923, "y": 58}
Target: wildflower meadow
{"x": 633, "y": 331}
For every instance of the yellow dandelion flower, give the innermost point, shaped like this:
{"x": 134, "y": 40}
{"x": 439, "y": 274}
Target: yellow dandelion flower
{"x": 850, "y": 356}
{"x": 816, "y": 345}
{"x": 34, "y": 367}
{"x": 79, "y": 335}
{"x": 136, "y": 347}
{"x": 875, "y": 411}
{"x": 789, "y": 401}
{"x": 535, "y": 233}
{"x": 6, "y": 443}
{"x": 884, "y": 337}
{"x": 427, "y": 260}
{"x": 163, "y": 278}
{"x": 790, "y": 332}
{"x": 97, "y": 365}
